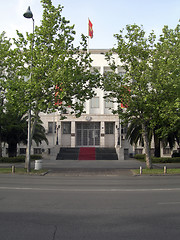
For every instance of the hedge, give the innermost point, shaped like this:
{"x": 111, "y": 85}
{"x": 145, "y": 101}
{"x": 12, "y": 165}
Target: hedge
{"x": 176, "y": 154}
{"x": 141, "y": 157}
{"x": 166, "y": 160}
{"x": 18, "y": 159}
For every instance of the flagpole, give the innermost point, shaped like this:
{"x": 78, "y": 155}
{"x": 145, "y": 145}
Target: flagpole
{"x": 88, "y": 38}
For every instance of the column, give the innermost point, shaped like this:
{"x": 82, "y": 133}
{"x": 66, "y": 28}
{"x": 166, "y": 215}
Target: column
{"x": 73, "y": 134}
{"x": 102, "y": 135}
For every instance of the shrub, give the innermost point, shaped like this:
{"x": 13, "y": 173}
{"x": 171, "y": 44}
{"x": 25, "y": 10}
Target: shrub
{"x": 166, "y": 160}
{"x": 139, "y": 156}
{"x": 176, "y": 154}
{"x": 18, "y": 159}
{"x": 36, "y": 157}
{"x": 12, "y": 159}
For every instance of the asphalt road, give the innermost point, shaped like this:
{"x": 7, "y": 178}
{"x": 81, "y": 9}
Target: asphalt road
{"x": 89, "y": 207}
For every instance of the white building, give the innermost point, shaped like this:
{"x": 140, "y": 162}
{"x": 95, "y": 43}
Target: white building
{"x": 97, "y": 127}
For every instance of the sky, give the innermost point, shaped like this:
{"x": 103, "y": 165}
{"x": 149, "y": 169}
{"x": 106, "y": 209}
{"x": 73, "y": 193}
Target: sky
{"x": 107, "y": 16}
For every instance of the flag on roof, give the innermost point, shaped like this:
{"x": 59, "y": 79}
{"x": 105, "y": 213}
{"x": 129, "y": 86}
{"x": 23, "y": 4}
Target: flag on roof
{"x": 90, "y": 27}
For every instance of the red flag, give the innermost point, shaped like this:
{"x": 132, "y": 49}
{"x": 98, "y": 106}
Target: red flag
{"x": 90, "y": 29}
{"x": 57, "y": 100}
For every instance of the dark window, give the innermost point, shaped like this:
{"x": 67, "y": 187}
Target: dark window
{"x": 109, "y": 128}
{"x": 124, "y": 129}
{"x": 51, "y": 127}
{"x": 166, "y": 151}
{"x": 22, "y": 150}
{"x": 66, "y": 128}
{"x": 138, "y": 151}
{"x": 37, "y": 151}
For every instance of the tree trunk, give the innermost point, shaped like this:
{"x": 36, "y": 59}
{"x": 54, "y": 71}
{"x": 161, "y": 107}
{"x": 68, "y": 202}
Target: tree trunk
{"x": 33, "y": 125}
{"x": 0, "y": 144}
{"x": 32, "y": 129}
{"x": 12, "y": 149}
{"x": 157, "y": 148}
{"x": 147, "y": 146}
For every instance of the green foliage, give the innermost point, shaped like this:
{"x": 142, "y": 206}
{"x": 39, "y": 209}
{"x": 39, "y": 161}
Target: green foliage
{"x": 36, "y": 157}
{"x": 55, "y": 67}
{"x": 22, "y": 171}
{"x": 150, "y": 87}
{"x": 157, "y": 171}
{"x": 18, "y": 159}
{"x": 42, "y": 62}
{"x": 12, "y": 159}
{"x": 165, "y": 79}
{"x": 141, "y": 157}
{"x": 176, "y": 154}
{"x": 14, "y": 130}
{"x": 6, "y": 74}
{"x": 166, "y": 160}
{"x": 134, "y": 135}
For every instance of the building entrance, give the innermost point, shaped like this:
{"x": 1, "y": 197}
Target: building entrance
{"x": 88, "y": 134}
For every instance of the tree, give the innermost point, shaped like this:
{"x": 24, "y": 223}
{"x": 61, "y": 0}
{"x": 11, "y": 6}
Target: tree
{"x": 134, "y": 135}
{"x": 142, "y": 90}
{"x": 60, "y": 72}
{"x": 165, "y": 79}
{"x": 14, "y": 131}
{"x": 7, "y": 64}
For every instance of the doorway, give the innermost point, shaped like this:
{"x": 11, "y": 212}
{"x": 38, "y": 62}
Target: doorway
{"x": 88, "y": 134}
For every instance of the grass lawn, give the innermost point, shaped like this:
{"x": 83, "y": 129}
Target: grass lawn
{"x": 156, "y": 171}
{"x": 22, "y": 171}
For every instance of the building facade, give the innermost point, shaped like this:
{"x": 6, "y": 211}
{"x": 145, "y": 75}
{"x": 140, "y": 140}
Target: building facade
{"x": 97, "y": 127}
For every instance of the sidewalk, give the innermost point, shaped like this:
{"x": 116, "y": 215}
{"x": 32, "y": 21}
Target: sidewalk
{"x": 92, "y": 164}
{"x": 85, "y": 167}
{"x": 91, "y": 167}
{"x": 98, "y": 167}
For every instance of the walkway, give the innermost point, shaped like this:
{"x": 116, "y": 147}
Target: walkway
{"x": 91, "y": 167}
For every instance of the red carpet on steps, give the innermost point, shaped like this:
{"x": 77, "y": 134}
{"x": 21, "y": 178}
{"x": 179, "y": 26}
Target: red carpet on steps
{"x": 87, "y": 153}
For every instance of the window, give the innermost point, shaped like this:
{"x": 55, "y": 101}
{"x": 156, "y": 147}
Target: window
{"x": 121, "y": 72}
{"x": 51, "y": 127}
{"x": 37, "y": 151}
{"x": 107, "y": 69}
{"x": 6, "y": 150}
{"x": 108, "y": 104}
{"x": 95, "y": 70}
{"x": 109, "y": 128}
{"x": 95, "y": 102}
{"x": 22, "y": 150}
{"x": 66, "y": 128}
{"x": 124, "y": 129}
{"x": 166, "y": 151}
{"x": 138, "y": 151}
{"x": 107, "y": 72}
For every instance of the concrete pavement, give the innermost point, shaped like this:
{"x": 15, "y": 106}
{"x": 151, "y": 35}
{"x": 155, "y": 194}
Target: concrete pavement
{"x": 91, "y": 167}
{"x": 85, "y": 167}
{"x": 126, "y": 164}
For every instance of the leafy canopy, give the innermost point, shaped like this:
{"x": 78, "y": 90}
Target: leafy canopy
{"x": 55, "y": 70}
